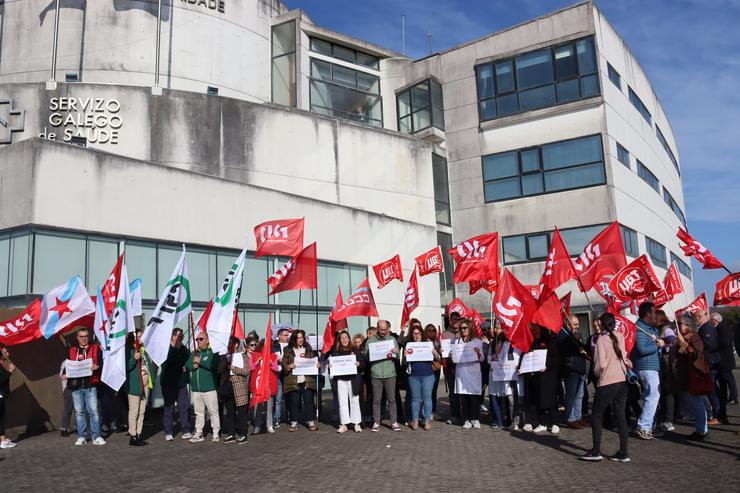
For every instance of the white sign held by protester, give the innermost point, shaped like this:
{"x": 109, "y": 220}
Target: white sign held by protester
{"x": 533, "y": 361}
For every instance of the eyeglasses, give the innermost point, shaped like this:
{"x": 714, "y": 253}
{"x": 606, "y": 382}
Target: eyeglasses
{"x": 464, "y": 327}
{"x": 253, "y": 345}
{"x": 416, "y": 333}
{"x": 200, "y": 339}
{"x": 83, "y": 336}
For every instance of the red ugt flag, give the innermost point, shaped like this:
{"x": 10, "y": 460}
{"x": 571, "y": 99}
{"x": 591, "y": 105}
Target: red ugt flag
{"x": 430, "y": 262}
{"x": 672, "y": 286}
{"x": 693, "y": 248}
{"x": 635, "y": 281}
{"x": 263, "y": 376}
{"x": 728, "y": 291}
{"x": 549, "y": 313}
{"x": 476, "y": 259}
{"x": 410, "y": 299}
{"x": 110, "y": 287}
{"x": 386, "y": 271}
{"x": 699, "y": 304}
{"x": 565, "y": 304}
{"x": 457, "y": 306}
{"x": 514, "y": 307}
{"x": 603, "y": 255}
{"x": 300, "y": 272}
{"x": 333, "y": 326}
{"x": 625, "y": 326}
{"x": 360, "y": 303}
{"x": 24, "y": 327}
{"x": 558, "y": 267}
{"x": 475, "y": 286}
{"x": 279, "y": 237}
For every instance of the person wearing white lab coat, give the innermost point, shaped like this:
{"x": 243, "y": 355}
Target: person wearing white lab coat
{"x": 468, "y": 378}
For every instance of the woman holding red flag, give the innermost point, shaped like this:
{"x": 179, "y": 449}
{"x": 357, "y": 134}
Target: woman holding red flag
{"x": 263, "y": 410}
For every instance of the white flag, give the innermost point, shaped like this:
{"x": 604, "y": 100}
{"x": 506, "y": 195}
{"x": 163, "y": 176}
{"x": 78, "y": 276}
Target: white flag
{"x": 64, "y": 305}
{"x": 101, "y": 322}
{"x": 222, "y": 314}
{"x": 174, "y": 305}
{"x": 135, "y": 288}
{"x": 121, "y": 323}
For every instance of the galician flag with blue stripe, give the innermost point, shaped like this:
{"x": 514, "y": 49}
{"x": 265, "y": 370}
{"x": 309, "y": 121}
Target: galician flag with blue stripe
{"x": 121, "y": 323}
{"x": 174, "y": 305}
{"x": 64, "y": 305}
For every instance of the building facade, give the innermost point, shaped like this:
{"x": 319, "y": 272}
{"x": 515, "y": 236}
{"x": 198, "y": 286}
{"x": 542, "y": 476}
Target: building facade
{"x": 128, "y": 128}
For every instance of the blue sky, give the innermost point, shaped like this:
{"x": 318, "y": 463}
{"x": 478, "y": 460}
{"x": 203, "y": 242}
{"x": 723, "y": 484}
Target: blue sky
{"x": 690, "y": 50}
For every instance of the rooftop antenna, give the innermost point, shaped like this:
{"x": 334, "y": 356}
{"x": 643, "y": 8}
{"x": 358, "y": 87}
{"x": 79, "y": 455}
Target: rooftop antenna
{"x": 403, "y": 34}
{"x": 429, "y": 35}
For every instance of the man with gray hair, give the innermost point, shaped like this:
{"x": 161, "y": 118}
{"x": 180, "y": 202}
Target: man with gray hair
{"x": 726, "y": 385}
{"x": 708, "y": 335}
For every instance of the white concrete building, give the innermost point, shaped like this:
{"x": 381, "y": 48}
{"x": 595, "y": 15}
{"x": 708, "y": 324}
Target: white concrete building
{"x": 551, "y": 122}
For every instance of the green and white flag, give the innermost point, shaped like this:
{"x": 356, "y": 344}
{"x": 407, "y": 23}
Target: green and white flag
{"x": 121, "y": 323}
{"x": 222, "y": 314}
{"x": 174, "y": 305}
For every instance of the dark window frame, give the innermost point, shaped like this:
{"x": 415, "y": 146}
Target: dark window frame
{"x": 640, "y": 106}
{"x": 683, "y": 267}
{"x": 648, "y": 176}
{"x": 438, "y": 200}
{"x": 413, "y": 111}
{"x": 652, "y": 246}
{"x": 671, "y": 202}
{"x": 614, "y": 76}
{"x": 555, "y": 79}
{"x": 625, "y": 231}
{"x": 273, "y": 57}
{"x": 541, "y": 170}
{"x": 621, "y": 149}
{"x": 549, "y": 234}
{"x": 375, "y": 66}
{"x": 664, "y": 143}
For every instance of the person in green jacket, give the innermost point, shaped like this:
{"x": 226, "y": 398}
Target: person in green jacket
{"x": 173, "y": 377}
{"x": 139, "y": 370}
{"x": 383, "y": 375}
{"x": 203, "y": 365}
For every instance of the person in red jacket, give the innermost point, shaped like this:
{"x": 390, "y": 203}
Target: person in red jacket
{"x": 84, "y": 392}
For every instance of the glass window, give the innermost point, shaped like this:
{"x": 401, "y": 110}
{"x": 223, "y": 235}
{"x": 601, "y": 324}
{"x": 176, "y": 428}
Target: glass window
{"x": 20, "y": 255}
{"x": 586, "y": 56}
{"x": 363, "y": 107}
{"x": 683, "y": 267}
{"x": 576, "y": 239}
{"x": 332, "y": 278}
{"x": 283, "y": 39}
{"x": 202, "y": 271}
{"x": 569, "y": 164}
{"x": 668, "y": 198}
{"x": 566, "y": 66}
{"x": 328, "y": 96}
{"x": 344, "y": 53}
{"x": 629, "y": 239}
{"x": 664, "y": 143}
{"x": 344, "y": 76}
{"x": 441, "y": 189}
{"x": 4, "y": 263}
{"x": 367, "y": 60}
{"x": 101, "y": 258}
{"x": 424, "y": 101}
{"x": 534, "y": 69}
{"x": 647, "y": 176}
{"x": 141, "y": 262}
{"x": 623, "y": 155}
{"x": 254, "y": 280}
{"x": 656, "y": 251}
{"x": 368, "y": 83}
{"x": 336, "y": 96}
{"x": 57, "y": 258}
{"x": 614, "y": 76}
{"x": 504, "y": 76}
{"x": 515, "y": 249}
{"x": 321, "y": 46}
{"x": 537, "y": 79}
{"x": 283, "y": 64}
{"x": 320, "y": 70}
{"x": 167, "y": 258}
{"x": 637, "y": 103}
{"x": 537, "y": 246}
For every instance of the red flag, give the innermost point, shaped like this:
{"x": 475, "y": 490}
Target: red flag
{"x": 535, "y": 290}
{"x": 360, "y": 303}
{"x": 728, "y": 291}
{"x": 333, "y": 326}
{"x": 203, "y": 320}
{"x": 700, "y": 303}
{"x": 300, "y": 272}
{"x": 476, "y": 259}
{"x": 635, "y": 281}
{"x": 693, "y": 248}
{"x": 411, "y": 299}
{"x": 603, "y": 255}
{"x": 475, "y": 286}
{"x": 237, "y": 330}
{"x": 548, "y": 313}
{"x": 624, "y": 326}
{"x": 279, "y": 237}
{"x": 514, "y": 307}
{"x": 672, "y": 282}
{"x": 22, "y": 328}
{"x": 386, "y": 271}
{"x": 430, "y": 262}
{"x": 263, "y": 372}
{"x": 458, "y": 306}
{"x": 565, "y": 304}
{"x": 110, "y": 287}
{"x": 558, "y": 267}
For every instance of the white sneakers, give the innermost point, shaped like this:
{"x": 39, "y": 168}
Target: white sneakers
{"x": 7, "y": 444}
{"x": 98, "y": 441}
{"x": 555, "y": 429}
{"x": 215, "y": 438}
{"x": 467, "y": 425}
{"x": 358, "y": 428}
{"x": 187, "y": 436}
{"x": 168, "y": 438}
{"x": 540, "y": 429}
{"x": 527, "y": 427}
{"x": 80, "y": 441}
{"x": 342, "y": 429}
{"x": 476, "y": 424}
{"x": 196, "y": 438}
{"x": 270, "y": 430}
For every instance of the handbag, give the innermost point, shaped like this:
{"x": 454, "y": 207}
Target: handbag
{"x": 700, "y": 383}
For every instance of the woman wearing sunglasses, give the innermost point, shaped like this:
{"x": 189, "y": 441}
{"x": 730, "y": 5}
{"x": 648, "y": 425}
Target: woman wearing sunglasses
{"x": 468, "y": 377}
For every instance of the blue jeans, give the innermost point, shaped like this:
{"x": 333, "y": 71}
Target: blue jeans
{"x": 421, "y": 391}
{"x": 277, "y": 414}
{"x": 86, "y": 400}
{"x": 713, "y": 398}
{"x": 574, "y": 395}
{"x": 650, "y": 380}
{"x": 698, "y": 410}
{"x": 496, "y": 406}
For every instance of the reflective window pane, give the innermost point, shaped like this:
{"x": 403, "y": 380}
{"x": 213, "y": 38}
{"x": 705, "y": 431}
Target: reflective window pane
{"x": 485, "y": 81}
{"x": 581, "y": 176}
{"x": 532, "y": 184}
{"x": 320, "y": 70}
{"x": 576, "y": 239}
{"x": 530, "y": 160}
{"x": 20, "y": 255}
{"x": 420, "y": 96}
{"x": 656, "y": 251}
{"x": 56, "y": 260}
{"x": 568, "y": 90}
{"x": 590, "y": 86}
{"x": 343, "y": 53}
{"x": 141, "y": 262}
{"x": 565, "y": 62}
{"x": 502, "y": 189}
{"x": 328, "y": 96}
{"x": 515, "y": 249}
{"x": 508, "y": 105}
{"x": 488, "y": 109}
{"x": 538, "y": 248}
{"x": 101, "y": 257}
{"x": 368, "y": 83}
{"x": 500, "y": 165}
{"x": 367, "y": 60}
{"x": 586, "y": 56}
{"x": 537, "y": 98}
{"x": 321, "y": 46}
{"x": 283, "y": 38}
{"x": 534, "y": 69}
{"x": 623, "y": 155}
{"x": 344, "y": 76}
{"x": 404, "y": 124}
{"x": 362, "y": 107}
{"x": 504, "y": 76}
{"x": 4, "y": 263}
{"x": 438, "y": 115}
{"x": 202, "y": 270}
{"x": 283, "y": 80}
{"x": 404, "y": 103}
{"x": 254, "y": 281}
{"x": 422, "y": 119}
{"x": 572, "y": 152}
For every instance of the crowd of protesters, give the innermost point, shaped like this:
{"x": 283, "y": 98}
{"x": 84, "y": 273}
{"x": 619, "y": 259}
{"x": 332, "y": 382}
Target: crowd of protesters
{"x": 677, "y": 371}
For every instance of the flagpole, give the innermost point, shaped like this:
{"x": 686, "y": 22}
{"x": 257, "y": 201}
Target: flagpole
{"x": 318, "y": 390}
{"x": 444, "y": 278}
{"x": 192, "y": 329}
{"x": 492, "y": 296}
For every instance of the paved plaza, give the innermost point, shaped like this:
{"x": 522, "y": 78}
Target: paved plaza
{"x": 446, "y": 458}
